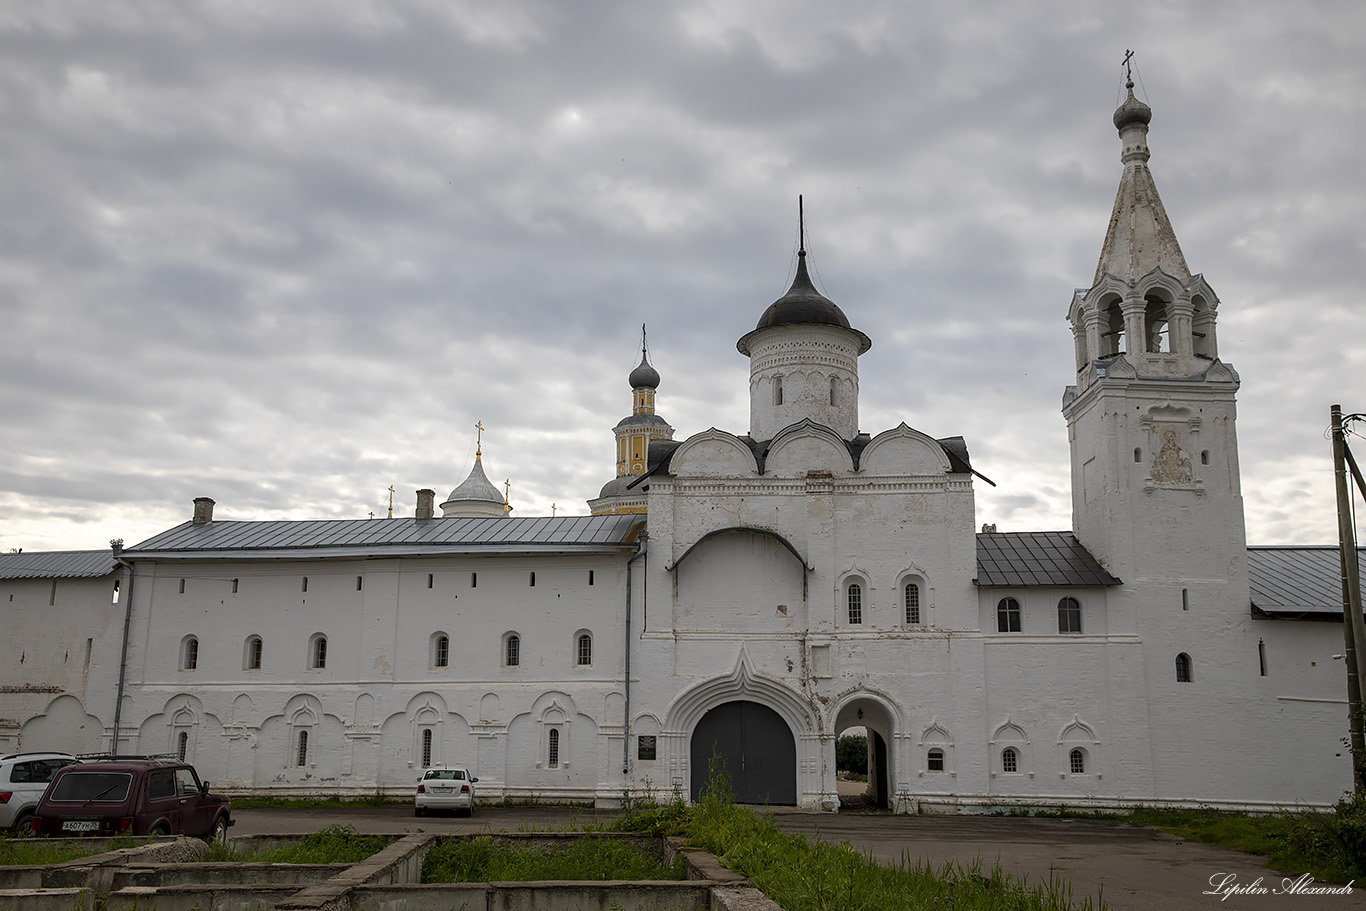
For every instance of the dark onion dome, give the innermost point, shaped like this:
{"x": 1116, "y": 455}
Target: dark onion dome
{"x": 803, "y": 304}
{"x": 644, "y": 375}
{"x": 1132, "y": 110}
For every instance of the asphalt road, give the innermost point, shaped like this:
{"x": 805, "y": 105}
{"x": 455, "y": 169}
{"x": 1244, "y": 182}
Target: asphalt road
{"x": 1135, "y": 869}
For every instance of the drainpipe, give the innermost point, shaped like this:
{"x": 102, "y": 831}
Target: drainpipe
{"x": 123, "y": 654}
{"x": 626, "y": 724}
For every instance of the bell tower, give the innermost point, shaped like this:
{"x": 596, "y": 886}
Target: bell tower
{"x": 1150, "y": 421}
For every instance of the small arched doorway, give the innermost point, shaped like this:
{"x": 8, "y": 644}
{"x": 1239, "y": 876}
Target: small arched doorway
{"x": 877, "y": 726}
{"x": 757, "y": 747}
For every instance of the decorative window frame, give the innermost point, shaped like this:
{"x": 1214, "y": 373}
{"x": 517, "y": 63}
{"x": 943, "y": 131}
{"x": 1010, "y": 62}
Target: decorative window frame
{"x": 439, "y": 651}
{"x": 303, "y": 720}
{"x": 184, "y": 722}
{"x": 317, "y": 652}
{"x": 189, "y": 653}
{"x": 427, "y": 722}
{"x": 1010, "y": 735}
{"x": 555, "y": 717}
{"x": 247, "y": 653}
{"x": 1078, "y": 735}
{"x": 578, "y": 643}
{"x": 913, "y": 576}
{"x": 934, "y": 736}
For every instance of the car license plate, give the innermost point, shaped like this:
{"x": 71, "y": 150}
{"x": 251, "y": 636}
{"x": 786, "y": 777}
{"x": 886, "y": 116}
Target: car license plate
{"x": 80, "y": 825}
{"x": 442, "y": 790}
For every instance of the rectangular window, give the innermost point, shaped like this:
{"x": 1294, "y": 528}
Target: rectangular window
{"x": 855, "y": 597}
{"x": 474, "y": 580}
{"x": 301, "y": 754}
{"x": 935, "y": 761}
{"x": 590, "y": 577}
{"x": 645, "y": 747}
{"x": 553, "y": 759}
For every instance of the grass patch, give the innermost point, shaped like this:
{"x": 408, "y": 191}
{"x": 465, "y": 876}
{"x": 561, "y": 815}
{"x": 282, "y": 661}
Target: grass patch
{"x": 16, "y": 852}
{"x": 332, "y": 845}
{"x": 481, "y": 860}
{"x": 801, "y": 875}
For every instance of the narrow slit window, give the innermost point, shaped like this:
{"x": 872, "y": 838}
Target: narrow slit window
{"x": 1261, "y": 657}
{"x": 834, "y": 388}
{"x": 116, "y": 593}
{"x": 533, "y": 580}
{"x": 1138, "y": 454}
{"x": 590, "y": 577}
{"x": 182, "y": 744}
{"x": 553, "y": 759}
{"x": 182, "y": 586}
{"x": 855, "y": 600}
{"x": 426, "y": 748}
{"x": 304, "y": 587}
{"x": 301, "y": 752}
{"x": 430, "y": 580}
{"x": 1185, "y": 599}
{"x": 360, "y": 581}
{"x": 474, "y": 580}
{"x": 777, "y": 390}
{"x": 1204, "y": 457}
{"x": 234, "y": 586}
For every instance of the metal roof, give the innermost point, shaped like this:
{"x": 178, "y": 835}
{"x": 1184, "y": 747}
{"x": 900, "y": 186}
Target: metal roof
{"x": 1036, "y": 558}
{"x": 389, "y": 537}
{"x": 1298, "y": 580}
{"x": 57, "y": 564}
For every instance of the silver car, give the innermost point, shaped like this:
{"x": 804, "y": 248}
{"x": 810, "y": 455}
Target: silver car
{"x": 23, "y": 779}
{"x": 450, "y": 788}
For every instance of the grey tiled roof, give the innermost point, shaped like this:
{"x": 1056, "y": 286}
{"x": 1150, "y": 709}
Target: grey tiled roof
{"x": 1300, "y": 580}
{"x": 57, "y": 564}
{"x": 390, "y": 537}
{"x": 1036, "y": 558}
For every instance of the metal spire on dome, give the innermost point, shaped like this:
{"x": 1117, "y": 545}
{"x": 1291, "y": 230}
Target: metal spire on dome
{"x": 644, "y": 376}
{"x": 1140, "y": 236}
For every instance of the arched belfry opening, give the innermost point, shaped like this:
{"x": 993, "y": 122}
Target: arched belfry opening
{"x": 867, "y": 715}
{"x": 757, "y": 749}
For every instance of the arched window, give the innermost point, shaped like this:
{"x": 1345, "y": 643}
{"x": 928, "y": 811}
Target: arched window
{"x": 251, "y": 654}
{"x": 934, "y": 760}
{"x": 1010, "y": 760}
{"x": 301, "y": 750}
{"x": 1183, "y": 668}
{"x": 426, "y": 748}
{"x": 1076, "y": 761}
{"x": 834, "y": 390}
{"x": 512, "y": 650}
{"x": 1112, "y": 329}
{"x": 441, "y": 650}
{"x": 317, "y": 651}
{"x": 584, "y": 656}
{"x": 1069, "y": 615}
{"x": 854, "y": 597}
{"x": 189, "y": 653}
{"x": 553, "y": 758}
{"x": 182, "y": 744}
{"x": 911, "y": 600}
{"x": 1008, "y": 616}
{"x": 777, "y": 390}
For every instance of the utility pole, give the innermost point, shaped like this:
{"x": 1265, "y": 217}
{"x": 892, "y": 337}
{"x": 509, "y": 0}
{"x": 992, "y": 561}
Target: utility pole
{"x": 1354, "y": 624}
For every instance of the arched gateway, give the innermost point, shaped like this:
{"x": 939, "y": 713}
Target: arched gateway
{"x": 758, "y": 750}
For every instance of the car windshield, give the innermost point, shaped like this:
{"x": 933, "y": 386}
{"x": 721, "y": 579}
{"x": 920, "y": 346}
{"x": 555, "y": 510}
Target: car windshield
{"x": 447, "y": 774}
{"x": 101, "y": 787}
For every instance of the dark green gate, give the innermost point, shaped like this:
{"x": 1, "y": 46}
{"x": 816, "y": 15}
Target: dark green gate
{"x": 757, "y": 747}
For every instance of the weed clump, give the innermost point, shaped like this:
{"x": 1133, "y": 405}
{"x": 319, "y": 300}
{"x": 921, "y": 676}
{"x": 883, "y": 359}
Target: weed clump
{"x": 332, "y": 845}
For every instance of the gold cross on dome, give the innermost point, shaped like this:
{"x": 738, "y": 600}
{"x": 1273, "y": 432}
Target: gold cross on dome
{"x": 479, "y": 440}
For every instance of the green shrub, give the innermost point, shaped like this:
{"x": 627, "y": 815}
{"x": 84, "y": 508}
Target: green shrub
{"x": 851, "y": 754}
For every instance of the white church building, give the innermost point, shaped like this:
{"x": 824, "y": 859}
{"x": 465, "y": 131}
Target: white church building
{"x": 750, "y": 593}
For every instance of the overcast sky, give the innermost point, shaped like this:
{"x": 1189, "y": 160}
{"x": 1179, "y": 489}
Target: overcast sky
{"x": 286, "y": 254}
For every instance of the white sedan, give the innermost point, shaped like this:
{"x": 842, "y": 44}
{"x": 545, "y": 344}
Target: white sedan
{"x": 445, "y": 789}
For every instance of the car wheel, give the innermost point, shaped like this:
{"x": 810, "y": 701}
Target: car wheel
{"x": 219, "y": 833}
{"x": 419, "y": 811}
{"x": 160, "y": 830}
{"x": 23, "y": 825}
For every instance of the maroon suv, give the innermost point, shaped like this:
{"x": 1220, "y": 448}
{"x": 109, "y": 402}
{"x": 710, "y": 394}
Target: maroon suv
{"x": 131, "y": 797}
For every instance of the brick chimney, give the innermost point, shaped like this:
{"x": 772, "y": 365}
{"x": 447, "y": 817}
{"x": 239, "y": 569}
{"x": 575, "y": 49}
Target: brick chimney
{"x": 426, "y": 503}
{"x": 203, "y": 510}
